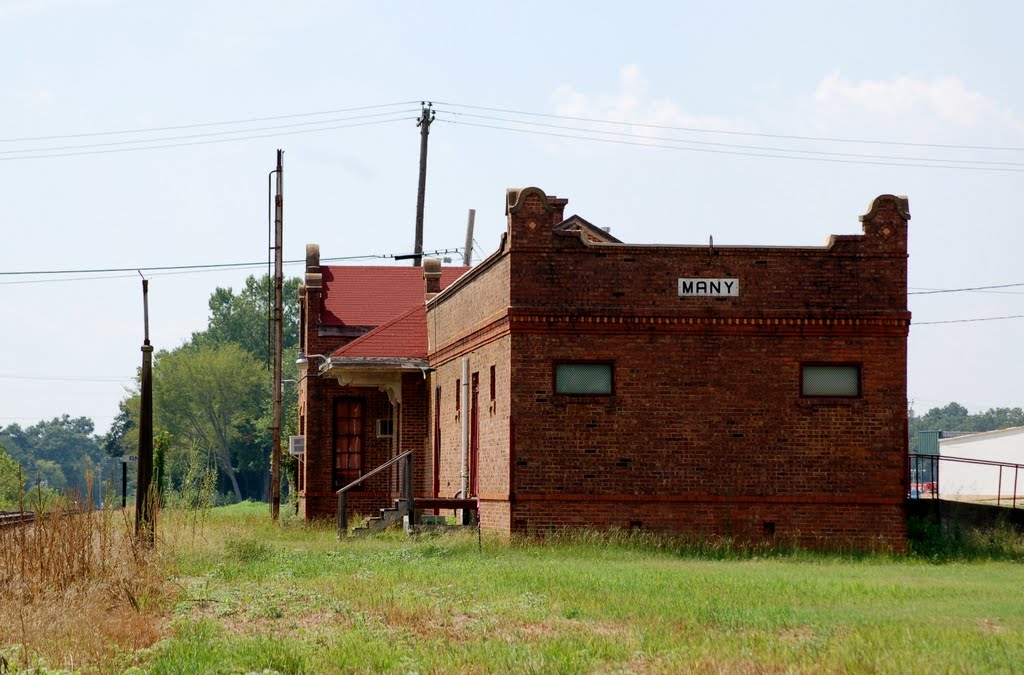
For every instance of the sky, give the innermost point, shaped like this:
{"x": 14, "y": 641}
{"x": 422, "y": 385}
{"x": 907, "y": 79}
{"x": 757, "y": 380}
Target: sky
{"x": 666, "y": 121}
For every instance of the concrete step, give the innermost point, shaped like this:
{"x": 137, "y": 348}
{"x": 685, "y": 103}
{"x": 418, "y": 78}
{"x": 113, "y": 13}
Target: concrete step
{"x": 387, "y": 516}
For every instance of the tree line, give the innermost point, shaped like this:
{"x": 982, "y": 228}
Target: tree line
{"x": 213, "y": 405}
{"x": 212, "y": 400}
{"x": 955, "y": 417}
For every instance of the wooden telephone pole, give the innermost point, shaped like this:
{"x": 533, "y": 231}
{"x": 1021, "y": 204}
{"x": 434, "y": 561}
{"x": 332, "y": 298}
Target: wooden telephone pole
{"x": 423, "y": 123}
{"x": 145, "y": 502}
{"x": 275, "y": 453}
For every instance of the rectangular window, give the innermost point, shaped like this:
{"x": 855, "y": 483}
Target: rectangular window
{"x": 493, "y": 386}
{"x": 839, "y": 380}
{"x": 458, "y": 388}
{"x": 583, "y": 378}
{"x": 349, "y": 420}
{"x": 385, "y": 429}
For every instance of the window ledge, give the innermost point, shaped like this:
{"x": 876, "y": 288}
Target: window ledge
{"x": 832, "y": 401}
{"x": 582, "y": 398}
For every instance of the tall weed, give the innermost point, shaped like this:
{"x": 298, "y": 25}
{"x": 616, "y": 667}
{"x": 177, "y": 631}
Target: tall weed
{"x": 197, "y": 492}
{"x": 74, "y": 581}
{"x": 930, "y": 540}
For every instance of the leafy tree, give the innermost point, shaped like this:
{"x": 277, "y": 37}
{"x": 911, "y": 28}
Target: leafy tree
{"x": 242, "y": 319}
{"x": 237, "y": 321}
{"x": 955, "y": 417}
{"x": 12, "y": 480}
{"x": 120, "y": 440}
{"x": 162, "y": 441}
{"x": 49, "y": 474}
{"x": 207, "y": 395}
{"x": 63, "y": 451}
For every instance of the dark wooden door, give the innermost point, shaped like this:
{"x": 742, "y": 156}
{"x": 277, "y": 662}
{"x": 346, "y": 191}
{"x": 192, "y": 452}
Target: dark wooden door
{"x": 349, "y": 429}
{"x": 474, "y": 435}
{"x": 437, "y": 441}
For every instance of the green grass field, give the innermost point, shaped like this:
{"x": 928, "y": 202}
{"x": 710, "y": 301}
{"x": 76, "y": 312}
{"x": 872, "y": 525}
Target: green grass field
{"x": 245, "y": 595}
{"x": 294, "y": 599}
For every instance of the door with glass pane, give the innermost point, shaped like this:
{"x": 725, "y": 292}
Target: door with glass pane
{"x": 349, "y": 422}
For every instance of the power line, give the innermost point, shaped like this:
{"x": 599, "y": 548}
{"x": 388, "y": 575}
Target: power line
{"x": 734, "y": 145}
{"x": 961, "y": 290}
{"x": 212, "y": 266}
{"x": 204, "y": 135}
{"x": 205, "y": 142}
{"x": 731, "y": 152}
{"x": 44, "y": 418}
{"x": 735, "y": 133}
{"x": 205, "y": 124}
{"x": 68, "y": 378}
{"x": 984, "y": 318}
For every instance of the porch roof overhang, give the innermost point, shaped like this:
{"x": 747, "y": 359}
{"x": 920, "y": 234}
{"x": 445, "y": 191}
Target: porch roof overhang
{"x": 384, "y": 373}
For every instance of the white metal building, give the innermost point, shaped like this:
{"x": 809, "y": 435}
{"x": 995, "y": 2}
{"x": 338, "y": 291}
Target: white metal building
{"x": 983, "y": 482}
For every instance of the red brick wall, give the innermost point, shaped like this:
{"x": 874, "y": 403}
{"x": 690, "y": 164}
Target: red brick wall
{"x": 494, "y": 426}
{"x": 706, "y": 430}
{"x": 469, "y": 320}
{"x": 414, "y": 432}
{"x": 812, "y": 525}
{"x": 316, "y": 407}
{"x": 317, "y": 499}
{"x": 471, "y": 304}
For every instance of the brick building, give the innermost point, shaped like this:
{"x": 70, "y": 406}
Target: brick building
{"x": 573, "y": 380}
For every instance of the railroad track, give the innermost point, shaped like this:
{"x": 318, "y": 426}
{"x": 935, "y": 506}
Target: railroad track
{"x": 16, "y": 519}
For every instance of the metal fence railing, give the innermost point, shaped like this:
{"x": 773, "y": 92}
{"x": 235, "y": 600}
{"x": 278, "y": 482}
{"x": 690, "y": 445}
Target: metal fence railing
{"x": 926, "y": 478}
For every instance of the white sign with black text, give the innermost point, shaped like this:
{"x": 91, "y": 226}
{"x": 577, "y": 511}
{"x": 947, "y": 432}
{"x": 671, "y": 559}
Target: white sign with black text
{"x": 709, "y": 288}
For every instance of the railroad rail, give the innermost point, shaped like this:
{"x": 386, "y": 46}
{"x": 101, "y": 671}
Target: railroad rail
{"x": 16, "y": 518}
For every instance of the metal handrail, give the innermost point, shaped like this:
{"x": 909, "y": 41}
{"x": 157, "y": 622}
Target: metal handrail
{"x": 934, "y": 460}
{"x": 969, "y": 460}
{"x": 343, "y": 492}
{"x": 380, "y": 468}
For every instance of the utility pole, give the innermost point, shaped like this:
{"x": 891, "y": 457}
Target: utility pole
{"x": 467, "y": 252}
{"x": 144, "y": 502}
{"x": 423, "y": 123}
{"x": 275, "y": 453}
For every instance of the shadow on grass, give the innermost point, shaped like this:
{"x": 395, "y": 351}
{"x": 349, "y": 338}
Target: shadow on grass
{"x": 930, "y": 541}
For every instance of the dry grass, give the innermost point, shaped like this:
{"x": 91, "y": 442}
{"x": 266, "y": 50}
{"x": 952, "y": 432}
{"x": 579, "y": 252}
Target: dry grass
{"x": 76, "y": 589}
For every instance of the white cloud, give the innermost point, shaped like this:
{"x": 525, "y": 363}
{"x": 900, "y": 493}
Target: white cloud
{"x": 634, "y": 103}
{"x": 904, "y": 103}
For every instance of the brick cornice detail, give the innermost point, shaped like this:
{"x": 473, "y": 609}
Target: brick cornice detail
{"x": 889, "y": 323}
{"x": 527, "y": 320}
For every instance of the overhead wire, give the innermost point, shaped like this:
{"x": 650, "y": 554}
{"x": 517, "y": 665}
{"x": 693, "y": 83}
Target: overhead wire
{"x": 168, "y": 270}
{"x": 68, "y": 378}
{"x": 730, "y": 132}
{"x": 198, "y": 125}
{"x": 460, "y": 109}
{"x": 206, "y": 134}
{"x": 935, "y": 291}
{"x": 596, "y": 135}
{"x": 734, "y": 145}
{"x": 983, "y": 318}
{"x": 160, "y": 146}
{"x": 665, "y": 146}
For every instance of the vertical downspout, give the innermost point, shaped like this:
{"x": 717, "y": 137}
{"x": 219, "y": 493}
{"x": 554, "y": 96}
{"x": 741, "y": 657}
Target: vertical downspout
{"x": 465, "y": 427}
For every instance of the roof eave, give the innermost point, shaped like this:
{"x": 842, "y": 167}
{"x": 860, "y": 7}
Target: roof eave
{"x": 408, "y": 364}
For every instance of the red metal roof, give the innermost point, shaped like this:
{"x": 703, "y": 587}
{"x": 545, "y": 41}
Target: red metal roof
{"x": 404, "y": 336}
{"x": 372, "y": 295}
